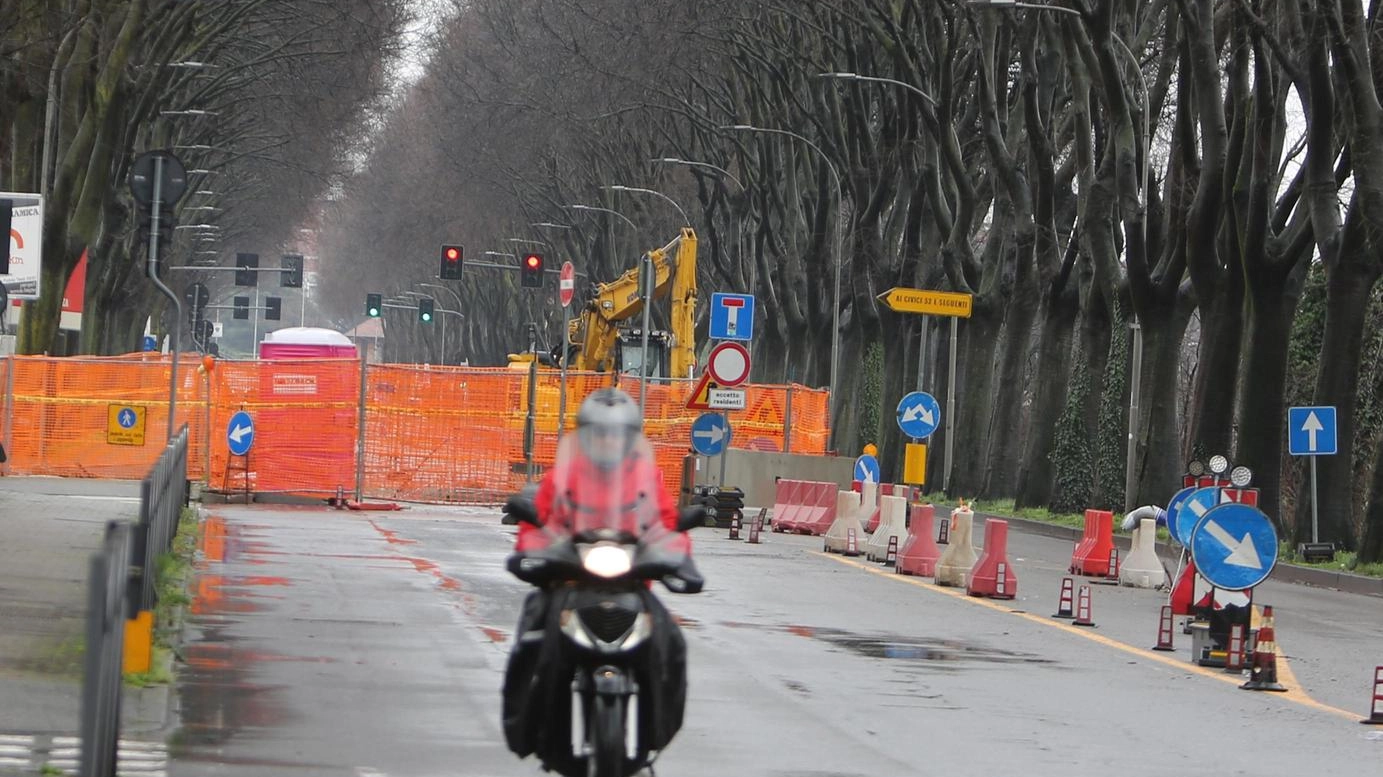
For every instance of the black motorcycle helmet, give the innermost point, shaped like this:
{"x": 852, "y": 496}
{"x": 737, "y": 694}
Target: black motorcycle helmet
{"x": 607, "y": 425}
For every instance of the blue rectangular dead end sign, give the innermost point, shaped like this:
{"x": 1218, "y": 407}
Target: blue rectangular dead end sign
{"x": 732, "y": 316}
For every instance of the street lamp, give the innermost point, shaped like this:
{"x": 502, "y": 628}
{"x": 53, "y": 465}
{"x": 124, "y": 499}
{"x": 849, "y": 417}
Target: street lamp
{"x": 550, "y": 225}
{"x": 840, "y": 219}
{"x": 526, "y": 242}
{"x": 621, "y": 188}
{"x": 189, "y": 112}
{"x": 880, "y": 80}
{"x": 499, "y": 253}
{"x": 1136, "y": 369}
{"x": 627, "y": 220}
{"x": 672, "y": 160}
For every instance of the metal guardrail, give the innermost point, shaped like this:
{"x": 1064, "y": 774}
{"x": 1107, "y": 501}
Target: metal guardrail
{"x": 162, "y": 496}
{"x": 105, "y": 644}
{"x": 120, "y": 586}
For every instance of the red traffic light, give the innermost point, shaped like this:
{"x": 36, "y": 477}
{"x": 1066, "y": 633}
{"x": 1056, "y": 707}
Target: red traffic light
{"x": 453, "y": 253}
{"x": 534, "y": 261}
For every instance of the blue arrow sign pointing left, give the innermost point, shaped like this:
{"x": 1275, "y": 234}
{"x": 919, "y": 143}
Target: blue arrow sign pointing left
{"x": 240, "y": 433}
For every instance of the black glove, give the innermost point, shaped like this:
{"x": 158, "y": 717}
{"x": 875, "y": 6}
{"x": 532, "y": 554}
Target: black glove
{"x": 692, "y": 516}
{"x": 519, "y": 508}
{"x": 687, "y": 579}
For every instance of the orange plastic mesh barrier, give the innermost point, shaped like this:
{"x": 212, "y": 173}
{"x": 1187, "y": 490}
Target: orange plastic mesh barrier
{"x": 433, "y": 434}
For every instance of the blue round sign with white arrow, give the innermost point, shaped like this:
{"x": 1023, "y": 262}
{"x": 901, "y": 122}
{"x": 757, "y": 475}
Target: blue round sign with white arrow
{"x": 1195, "y": 505}
{"x": 919, "y": 414}
{"x": 240, "y": 433}
{"x": 1234, "y": 546}
{"x": 867, "y": 469}
{"x": 710, "y": 434}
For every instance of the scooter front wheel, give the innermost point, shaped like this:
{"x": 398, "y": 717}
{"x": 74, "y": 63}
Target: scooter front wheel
{"x": 606, "y": 732}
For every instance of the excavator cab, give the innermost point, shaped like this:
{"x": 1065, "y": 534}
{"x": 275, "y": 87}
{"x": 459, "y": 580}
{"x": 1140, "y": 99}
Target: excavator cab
{"x": 630, "y": 354}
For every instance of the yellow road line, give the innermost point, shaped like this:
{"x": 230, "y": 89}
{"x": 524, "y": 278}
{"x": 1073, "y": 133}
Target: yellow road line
{"x": 1285, "y": 675}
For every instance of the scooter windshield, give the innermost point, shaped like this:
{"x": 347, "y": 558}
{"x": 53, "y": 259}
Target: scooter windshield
{"x": 607, "y": 483}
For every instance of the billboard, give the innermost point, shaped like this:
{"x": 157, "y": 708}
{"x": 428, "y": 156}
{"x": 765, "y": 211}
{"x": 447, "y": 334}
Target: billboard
{"x": 26, "y": 245}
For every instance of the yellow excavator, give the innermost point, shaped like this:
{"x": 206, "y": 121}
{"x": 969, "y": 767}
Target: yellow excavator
{"x": 604, "y": 337}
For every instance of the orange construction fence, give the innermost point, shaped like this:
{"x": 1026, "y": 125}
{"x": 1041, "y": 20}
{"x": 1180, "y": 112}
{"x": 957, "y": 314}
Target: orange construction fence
{"x": 430, "y": 434}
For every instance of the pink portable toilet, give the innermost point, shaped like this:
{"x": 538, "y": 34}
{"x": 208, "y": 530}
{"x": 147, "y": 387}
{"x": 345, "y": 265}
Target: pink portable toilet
{"x": 306, "y": 342}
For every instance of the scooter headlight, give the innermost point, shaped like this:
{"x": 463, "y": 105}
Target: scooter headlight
{"x": 607, "y": 560}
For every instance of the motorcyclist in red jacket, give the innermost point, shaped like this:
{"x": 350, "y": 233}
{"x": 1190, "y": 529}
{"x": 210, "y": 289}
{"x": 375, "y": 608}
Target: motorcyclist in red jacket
{"x": 612, "y": 466}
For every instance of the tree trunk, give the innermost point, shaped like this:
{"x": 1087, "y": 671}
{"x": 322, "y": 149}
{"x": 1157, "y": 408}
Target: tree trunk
{"x": 1158, "y": 446}
{"x": 1212, "y": 403}
{"x": 974, "y": 400}
{"x": 1347, "y": 298}
{"x": 1261, "y": 415}
{"x": 1004, "y": 436}
{"x": 1049, "y": 397}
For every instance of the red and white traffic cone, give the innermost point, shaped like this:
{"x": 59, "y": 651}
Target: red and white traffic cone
{"x": 1375, "y": 717}
{"x": 1066, "y": 606}
{"x": 1083, "y": 608}
{"x": 735, "y": 526}
{"x": 1263, "y": 672}
{"x": 1164, "y": 629}
{"x": 1111, "y": 576}
{"x": 757, "y": 526}
{"x": 1234, "y": 657}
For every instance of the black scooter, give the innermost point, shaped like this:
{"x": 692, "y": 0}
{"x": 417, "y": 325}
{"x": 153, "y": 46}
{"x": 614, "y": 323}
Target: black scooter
{"x": 597, "y": 681}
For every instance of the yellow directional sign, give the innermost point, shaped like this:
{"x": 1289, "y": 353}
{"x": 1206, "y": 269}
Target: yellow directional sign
{"x": 125, "y": 424}
{"x": 930, "y": 303}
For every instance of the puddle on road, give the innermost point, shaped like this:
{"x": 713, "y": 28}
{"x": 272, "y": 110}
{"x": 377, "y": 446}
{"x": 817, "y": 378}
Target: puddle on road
{"x": 904, "y": 648}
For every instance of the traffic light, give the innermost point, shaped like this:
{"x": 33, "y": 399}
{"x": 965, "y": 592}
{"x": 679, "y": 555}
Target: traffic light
{"x": 425, "y": 310}
{"x": 451, "y": 263}
{"x": 242, "y": 308}
{"x": 374, "y": 305}
{"x": 532, "y": 271}
{"x": 196, "y": 296}
{"x": 292, "y": 275}
{"x": 273, "y": 308}
{"x": 246, "y": 269}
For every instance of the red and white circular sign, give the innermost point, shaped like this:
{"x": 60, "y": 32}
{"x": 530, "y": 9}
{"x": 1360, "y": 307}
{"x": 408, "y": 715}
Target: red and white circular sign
{"x": 566, "y": 284}
{"x": 729, "y": 364}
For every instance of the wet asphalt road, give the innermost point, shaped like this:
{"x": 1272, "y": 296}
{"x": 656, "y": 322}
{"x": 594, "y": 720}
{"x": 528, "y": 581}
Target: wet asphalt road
{"x": 336, "y": 643}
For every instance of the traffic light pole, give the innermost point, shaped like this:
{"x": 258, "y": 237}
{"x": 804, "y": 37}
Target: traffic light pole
{"x": 154, "y": 218}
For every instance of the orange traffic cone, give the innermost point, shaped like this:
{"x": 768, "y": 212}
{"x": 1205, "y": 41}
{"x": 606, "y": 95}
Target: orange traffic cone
{"x": 1066, "y": 606}
{"x": 1375, "y": 717}
{"x": 1164, "y": 629}
{"x": 757, "y": 526}
{"x": 1083, "y": 608}
{"x": 1263, "y": 673}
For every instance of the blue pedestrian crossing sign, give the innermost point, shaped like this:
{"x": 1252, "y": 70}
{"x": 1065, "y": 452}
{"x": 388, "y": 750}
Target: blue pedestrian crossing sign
{"x": 919, "y": 414}
{"x": 1196, "y": 504}
{"x": 710, "y": 434}
{"x": 867, "y": 469}
{"x": 732, "y": 316}
{"x": 1311, "y": 431}
{"x": 1234, "y": 546}
{"x": 240, "y": 433}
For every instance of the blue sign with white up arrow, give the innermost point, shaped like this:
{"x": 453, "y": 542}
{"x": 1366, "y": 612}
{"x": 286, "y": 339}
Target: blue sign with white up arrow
{"x": 710, "y": 434}
{"x": 919, "y": 414}
{"x": 1234, "y": 546}
{"x": 1311, "y": 431}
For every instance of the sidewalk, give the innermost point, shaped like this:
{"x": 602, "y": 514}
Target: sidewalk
{"x": 49, "y": 527}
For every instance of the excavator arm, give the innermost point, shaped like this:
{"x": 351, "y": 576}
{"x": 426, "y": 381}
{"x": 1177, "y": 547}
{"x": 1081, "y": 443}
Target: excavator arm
{"x": 594, "y": 334}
